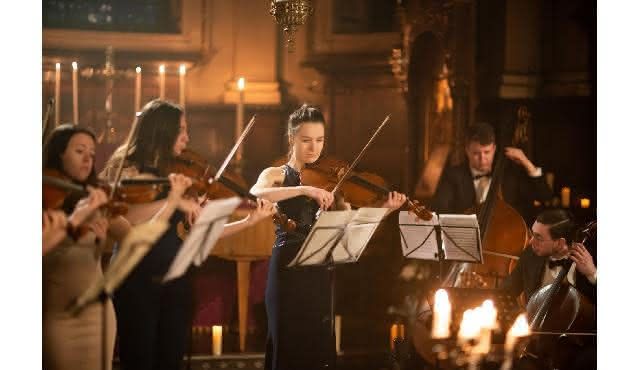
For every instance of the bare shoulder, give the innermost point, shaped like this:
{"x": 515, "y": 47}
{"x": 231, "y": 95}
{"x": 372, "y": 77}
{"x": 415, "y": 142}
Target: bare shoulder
{"x": 271, "y": 176}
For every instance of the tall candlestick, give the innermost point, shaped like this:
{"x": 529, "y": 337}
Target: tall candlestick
{"x": 74, "y": 78}
{"x": 57, "y": 95}
{"x": 240, "y": 116}
{"x": 216, "y": 332}
{"x": 183, "y": 72}
{"x": 338, "y": 330}
{"x": 161, "y": 70}
{"x": 565, "y": 196}
{"x": 441, "y": 315}
{"x": 136, "y": 99}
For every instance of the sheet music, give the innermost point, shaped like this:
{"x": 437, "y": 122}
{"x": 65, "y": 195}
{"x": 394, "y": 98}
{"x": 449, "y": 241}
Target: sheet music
{"x": 460, "y": 230}
{"x": 357, "y": 234}
{"x": 202, "y": 236}
{"x": 351, "y": 230}
{"x": 417, "y": 236}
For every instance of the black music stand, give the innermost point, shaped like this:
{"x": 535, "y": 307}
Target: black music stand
{"x": 445, "y": 237}
{"x": 351, "y": 230}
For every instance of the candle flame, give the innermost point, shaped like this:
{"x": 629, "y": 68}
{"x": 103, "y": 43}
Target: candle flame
{"x": 241, "y": 83}
{"x": 470, "y": 325}
{"x": 183, "y": 69}
{"x": 74, "y": 65}
{"x": 57, "y": 66}
{"x": 489, "y": 314}
{"x": 442, "y": 301}
{"x": 520, "y": 327}
{"x": 161, "y": 68}
{"x": 138, "y": 70}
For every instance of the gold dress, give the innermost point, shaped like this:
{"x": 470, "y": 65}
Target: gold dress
{"x": 74, "y": 342}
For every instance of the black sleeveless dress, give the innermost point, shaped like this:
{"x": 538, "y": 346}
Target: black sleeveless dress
{"x": 298, "y": 300}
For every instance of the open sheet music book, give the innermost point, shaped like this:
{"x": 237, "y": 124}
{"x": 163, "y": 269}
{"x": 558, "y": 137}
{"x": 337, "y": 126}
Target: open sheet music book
{"x": 344, "y": 234}
{"x": 203, "y": 236}
{"x": 460, "y": 237}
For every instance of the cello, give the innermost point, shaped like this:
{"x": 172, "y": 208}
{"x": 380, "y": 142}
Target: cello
{"x": 556, "y": 311}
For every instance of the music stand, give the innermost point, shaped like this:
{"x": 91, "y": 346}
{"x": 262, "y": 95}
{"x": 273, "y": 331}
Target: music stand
{"x": 202, "y": 237}
{"x": 351, "y": 230}
{"x": 445, "y": 237}
{"x": 134, "y": 247}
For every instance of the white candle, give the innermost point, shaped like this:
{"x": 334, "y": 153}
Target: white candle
{"x": 216, "y": 340}
{"x": 75, "y": 92}
{"x": 161, "y": 70}
{"x": 138, "y": 91}
{"x": 519, "y": 329}
{"x": 240, "y": 115}
{"x": 441, "y": 315}
{"x": 488, "y": 320}
{"x": 565, "y": 196}
{"x": 183, "y": 72}
{"x": 57, "y": 95}
{"x": 338, "y": 329}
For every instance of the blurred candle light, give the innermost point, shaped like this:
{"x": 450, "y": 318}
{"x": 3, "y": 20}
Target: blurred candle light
{"x": 585, "y": 202}
{"x": 565, "y": 196}
{"x": 216, "y": 340}
{"x": 74, "y": 80}
{"x": 138, "y": 91}
{"x": 441, "y": 315}
{"x": 519, "y": 329}
{"x": 161, "y": 70}
{"x": 57, "y": 96}
{"x": 338, "y": 330}
{"x": 183, "y": 72}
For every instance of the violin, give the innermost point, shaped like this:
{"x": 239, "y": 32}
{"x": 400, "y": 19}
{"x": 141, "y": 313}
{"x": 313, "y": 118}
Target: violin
{"x": 360, "y": 189}
{"x": 193, "y": 165}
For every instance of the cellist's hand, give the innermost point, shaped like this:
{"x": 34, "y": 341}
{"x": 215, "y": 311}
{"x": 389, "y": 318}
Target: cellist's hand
{"x": 581, "y": 256}
{"x": 394, "y": 201}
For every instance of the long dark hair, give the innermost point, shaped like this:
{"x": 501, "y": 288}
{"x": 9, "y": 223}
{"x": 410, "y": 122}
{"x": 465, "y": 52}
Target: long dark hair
{"x": 57, "y": 143}
{"x": 152, "y": 145}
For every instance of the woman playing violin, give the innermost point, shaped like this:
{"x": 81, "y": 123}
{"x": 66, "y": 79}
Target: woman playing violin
{"x": 74, "y": 342}
{"x": 298, "y": 301}
{"x": 153, "y": 318}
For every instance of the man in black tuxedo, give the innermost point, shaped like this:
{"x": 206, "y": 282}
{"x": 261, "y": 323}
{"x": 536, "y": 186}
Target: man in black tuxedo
{"x": 539, "y": 264}
{"x": 464, "y": 186}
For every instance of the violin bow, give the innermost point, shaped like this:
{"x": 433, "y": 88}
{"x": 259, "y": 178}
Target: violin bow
{"x": 134, "y": 130}
{"x": 359, "y": 157}
{"x": 235, "y": 147}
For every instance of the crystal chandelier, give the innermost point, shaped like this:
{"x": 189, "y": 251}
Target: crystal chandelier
{"x": 290, "y": 14}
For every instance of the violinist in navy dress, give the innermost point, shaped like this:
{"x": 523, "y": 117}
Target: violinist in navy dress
{"x": 298, "y": 301}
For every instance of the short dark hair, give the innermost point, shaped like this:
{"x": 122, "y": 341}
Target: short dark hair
{"x": 560, "y": 222}
{"x": 306, "y": 113}
{"x": 57, "y": 143}
{"x": 481, "y": 132}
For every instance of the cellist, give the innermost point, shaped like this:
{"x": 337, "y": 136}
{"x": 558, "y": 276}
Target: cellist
{"x": 540, "y": 263}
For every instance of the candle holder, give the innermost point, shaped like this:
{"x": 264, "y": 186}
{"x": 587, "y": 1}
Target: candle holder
{"x": 290, "y": 14}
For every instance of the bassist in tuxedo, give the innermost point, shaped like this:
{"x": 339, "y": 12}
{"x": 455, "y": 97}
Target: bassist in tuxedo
{"x": 462, "y": 187}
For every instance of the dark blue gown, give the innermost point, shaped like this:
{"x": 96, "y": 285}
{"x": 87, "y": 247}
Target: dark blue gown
{"x": 298, "y": 300}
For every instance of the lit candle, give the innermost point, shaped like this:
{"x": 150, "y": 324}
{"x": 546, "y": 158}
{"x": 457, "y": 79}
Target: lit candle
{"x": 549, "y": 179}
{"x": 397, "y": 331}
{"x": 519, "y": 329}
{"x": 183, "y": 71}
{"x": 57, "y": 95}
{"x": 74, "y": 78}
{"x": 585, "y": 202}
{"x": 469, "y": 327}
{"x": 338, "y": 329}
{"x": 441, "y": 315}
{"x": 161, "y": 70}
{"x": 565, "y": 196}
{"x": 488, "y": 320}
{"x": 138, "y": 91}
{"x": 240, "y": 115}
{"x": 216, "y": 332}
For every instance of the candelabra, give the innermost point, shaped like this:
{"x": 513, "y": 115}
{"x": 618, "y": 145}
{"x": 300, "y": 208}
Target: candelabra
{"x": 290, "y": 14}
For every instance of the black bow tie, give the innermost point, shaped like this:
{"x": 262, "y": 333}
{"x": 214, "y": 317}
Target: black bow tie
{"x": 556, "y": 263}
{"x": 481, "y": 176}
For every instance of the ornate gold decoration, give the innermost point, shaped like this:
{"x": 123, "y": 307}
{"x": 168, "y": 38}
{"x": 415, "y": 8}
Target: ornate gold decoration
{"x": 290, "y": 14}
